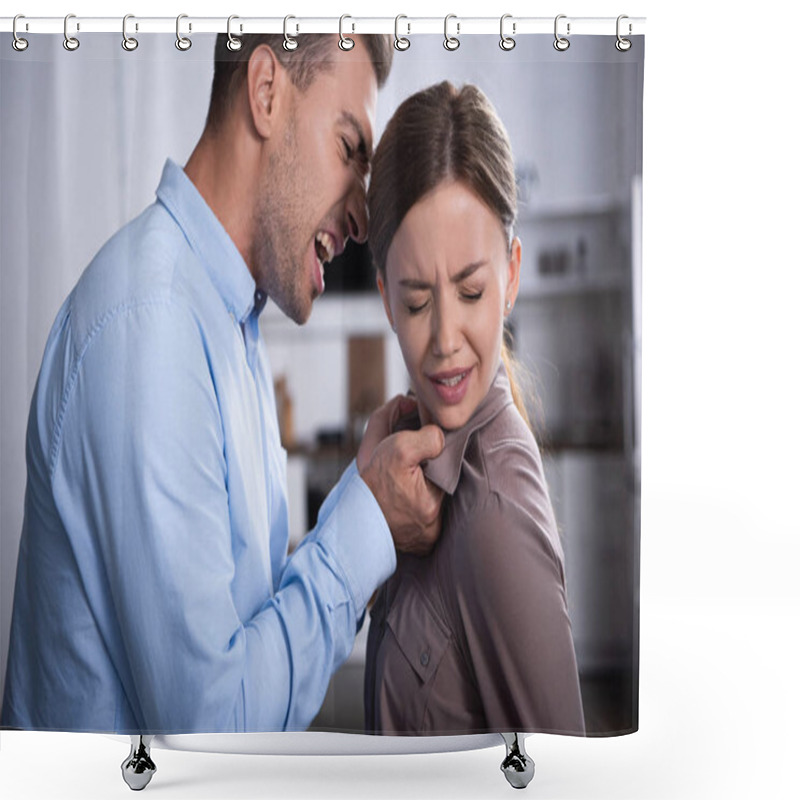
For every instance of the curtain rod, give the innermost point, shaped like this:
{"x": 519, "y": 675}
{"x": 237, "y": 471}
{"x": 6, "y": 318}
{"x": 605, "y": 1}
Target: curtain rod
{"x": 294, "y": 25}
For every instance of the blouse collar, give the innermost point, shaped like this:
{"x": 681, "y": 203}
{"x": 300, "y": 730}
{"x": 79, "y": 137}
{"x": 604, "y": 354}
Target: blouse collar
{"x": 445, "y": 470}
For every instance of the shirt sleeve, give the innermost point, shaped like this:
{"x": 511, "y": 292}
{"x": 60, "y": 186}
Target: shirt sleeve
{"x": 514, "y": 611}
{"x": 140, "y": 469}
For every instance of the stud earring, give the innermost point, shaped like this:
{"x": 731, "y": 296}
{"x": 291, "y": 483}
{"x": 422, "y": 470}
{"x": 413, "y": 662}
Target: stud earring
{"x": 508, "y": 305}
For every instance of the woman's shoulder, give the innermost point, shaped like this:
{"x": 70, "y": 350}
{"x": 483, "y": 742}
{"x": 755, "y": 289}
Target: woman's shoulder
{"x": 503, "y": 489}
{"x": 507, "y": 456}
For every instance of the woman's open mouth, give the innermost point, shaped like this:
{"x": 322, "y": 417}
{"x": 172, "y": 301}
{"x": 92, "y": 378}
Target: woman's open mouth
{"x": 452, "y": 385}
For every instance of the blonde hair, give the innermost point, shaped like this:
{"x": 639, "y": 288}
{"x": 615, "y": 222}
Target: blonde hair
{"x": 517, "y": 378}
{"x": 437, "y": 134}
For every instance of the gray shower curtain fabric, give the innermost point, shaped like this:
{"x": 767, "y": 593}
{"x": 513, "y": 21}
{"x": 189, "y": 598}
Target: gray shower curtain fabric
{"x": 321, "y": 385}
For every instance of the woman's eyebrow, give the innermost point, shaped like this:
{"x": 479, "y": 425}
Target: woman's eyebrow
{"x": 467, "y": 271}
{"x": 416, "y": 283}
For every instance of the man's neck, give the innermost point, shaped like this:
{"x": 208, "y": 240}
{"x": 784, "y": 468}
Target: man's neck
{"x": 226, "y": 186}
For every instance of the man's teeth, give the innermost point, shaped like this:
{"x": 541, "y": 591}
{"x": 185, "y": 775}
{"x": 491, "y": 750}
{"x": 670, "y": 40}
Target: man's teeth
{"x": 325, "y": 246}
{"x": 452, "y": 381}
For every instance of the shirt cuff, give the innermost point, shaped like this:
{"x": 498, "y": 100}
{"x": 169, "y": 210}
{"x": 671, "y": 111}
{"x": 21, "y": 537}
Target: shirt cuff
{"x": 355, "y": 531}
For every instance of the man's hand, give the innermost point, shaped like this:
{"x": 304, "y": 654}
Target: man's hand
{"x": 389, "y": 463}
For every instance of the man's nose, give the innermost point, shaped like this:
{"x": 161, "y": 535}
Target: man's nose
{"x": 357, "y": 214}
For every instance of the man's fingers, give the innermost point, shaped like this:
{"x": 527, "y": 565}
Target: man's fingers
{"x": 384, "y": 419}
{"x": 399, "y": 406}
{"x": 421, "y": 445}
{"x": 379, "y": 427}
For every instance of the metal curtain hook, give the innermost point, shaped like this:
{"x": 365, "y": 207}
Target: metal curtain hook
{"x": 18, "y": 43}
{"x": 289, "y": 42}
{"x": 451, "y": 42}
{"x": 561, "y": 43}
{"x": 400, "y": 42}
{"x": 70, "y": 42}
{"x": 345, "y": 42}
{"x": 233, "y": 43}
{"x": 622, "y": 44}
{"x": 182, "y": 42}
{"x": 128, "y": 42}
{"x": 507, "y": 42}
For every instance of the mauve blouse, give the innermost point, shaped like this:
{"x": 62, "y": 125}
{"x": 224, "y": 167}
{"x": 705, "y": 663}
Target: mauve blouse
{"x": 476, "y": 637}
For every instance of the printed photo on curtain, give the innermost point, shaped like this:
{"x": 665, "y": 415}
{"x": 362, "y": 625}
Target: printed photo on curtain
{"x": 320, "y": 398}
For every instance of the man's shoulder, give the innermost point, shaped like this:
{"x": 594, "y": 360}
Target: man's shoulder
{"x": 147, "y": 261}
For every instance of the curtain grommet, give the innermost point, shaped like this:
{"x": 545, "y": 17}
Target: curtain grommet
{"x": 18, "y": 43}
{"x": 401, "y": 42}
{"x": 234, "y": 44}
{"x": 507, "y": 42}
{"x": 622, "y": 44}
{"x": 345, "y": 42}
{"x": 451, "y": 43}
{"x": 129, "y": 43}
{"x": 561, "y": 43}
{"x": 183, "y": 43}
{"x": 289, "y": 42}
{"x": 71, "y": 43}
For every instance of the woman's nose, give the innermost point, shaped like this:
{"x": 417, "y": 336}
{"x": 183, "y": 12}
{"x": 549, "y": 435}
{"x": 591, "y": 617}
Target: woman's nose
{"x": 447, "y": 331}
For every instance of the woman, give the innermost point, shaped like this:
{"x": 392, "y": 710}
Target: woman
{"x": 474, "y": 637}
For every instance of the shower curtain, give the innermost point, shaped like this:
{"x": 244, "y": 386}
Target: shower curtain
{"x": 85, "y": 136}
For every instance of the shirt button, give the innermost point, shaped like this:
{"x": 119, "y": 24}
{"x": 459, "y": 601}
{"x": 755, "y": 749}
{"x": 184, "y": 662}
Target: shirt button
{"x": 424, "y": 658}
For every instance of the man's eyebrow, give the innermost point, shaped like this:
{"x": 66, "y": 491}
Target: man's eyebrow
{"x": 364, "y": 151}
{"x": 414, "y": 283}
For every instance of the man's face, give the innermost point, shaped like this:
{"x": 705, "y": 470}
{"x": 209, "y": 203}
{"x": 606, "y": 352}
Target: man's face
{"x": 313, "y": 195}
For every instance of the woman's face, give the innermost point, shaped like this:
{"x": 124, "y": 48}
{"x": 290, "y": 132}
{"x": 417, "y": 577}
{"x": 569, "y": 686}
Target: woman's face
{"x": 449, "y": 275}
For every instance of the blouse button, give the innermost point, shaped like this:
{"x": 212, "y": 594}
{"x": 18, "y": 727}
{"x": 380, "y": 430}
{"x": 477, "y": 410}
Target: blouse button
{"x": 424, "y": 658}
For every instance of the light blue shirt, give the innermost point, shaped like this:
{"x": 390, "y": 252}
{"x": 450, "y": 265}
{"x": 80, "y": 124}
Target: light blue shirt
{"x": 154, "y": 592}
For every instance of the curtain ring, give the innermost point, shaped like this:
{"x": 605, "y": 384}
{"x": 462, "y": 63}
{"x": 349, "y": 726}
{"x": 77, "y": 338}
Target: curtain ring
{"x": 70, "y": 42}
{"x": 451, "y": 42}
{"x": 233, "y": 42}
{"x": 400, "y": 42}
{"x": 289, "y": 42}
{"x": 507, "y": 42}
{"x": 561, "y": 43}
{"x": 345, "y": 42}
{"x": 18, "y": 43}
{"x": 622, "y": 44}
{"x": 128, "y": 42}
{"x": 182, "y": 42}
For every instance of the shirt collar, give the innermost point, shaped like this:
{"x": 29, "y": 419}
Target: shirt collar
{"x": 445, "y": 470}
{"x": 210, "y": 242}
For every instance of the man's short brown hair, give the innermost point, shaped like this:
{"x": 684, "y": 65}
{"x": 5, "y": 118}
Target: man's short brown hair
{"x": 303, "y": 64}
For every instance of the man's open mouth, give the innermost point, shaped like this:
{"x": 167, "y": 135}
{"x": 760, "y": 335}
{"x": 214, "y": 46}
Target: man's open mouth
{"x": 325, "y": 247}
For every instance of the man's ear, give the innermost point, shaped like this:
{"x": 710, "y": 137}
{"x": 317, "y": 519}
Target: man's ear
{"x": 266, "y": 89}
{"x": 385, "y": 298}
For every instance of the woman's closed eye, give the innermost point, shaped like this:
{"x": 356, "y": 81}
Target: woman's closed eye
{"x": 472, "y": 297}
{"x": 416, "y": 307}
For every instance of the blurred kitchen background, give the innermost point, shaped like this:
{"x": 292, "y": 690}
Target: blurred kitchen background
{"x": 574, "y": 119}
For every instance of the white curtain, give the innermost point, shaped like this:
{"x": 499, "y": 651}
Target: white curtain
{"x": 83, "y": 137}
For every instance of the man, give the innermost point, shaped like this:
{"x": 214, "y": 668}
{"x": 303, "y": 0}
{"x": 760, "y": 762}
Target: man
{"x": 154, "y": 592}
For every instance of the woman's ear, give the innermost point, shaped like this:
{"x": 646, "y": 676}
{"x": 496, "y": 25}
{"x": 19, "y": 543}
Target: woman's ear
{"x": 385, "y": 297}
{"x": 514, "y": 263}
{"x": 266, "y": 89}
